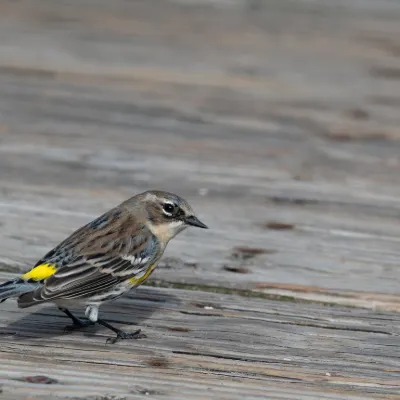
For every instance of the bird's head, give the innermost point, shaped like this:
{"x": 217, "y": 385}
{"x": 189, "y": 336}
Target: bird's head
{"x": 168, "y": 214}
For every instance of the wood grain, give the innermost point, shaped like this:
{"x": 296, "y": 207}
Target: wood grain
{"x": 252, "y": 120}
{"x": 279, "y": 122}
{"x": 228, "y": 346}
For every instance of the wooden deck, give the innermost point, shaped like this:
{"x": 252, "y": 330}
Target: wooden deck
{"x": 279, "y": 122}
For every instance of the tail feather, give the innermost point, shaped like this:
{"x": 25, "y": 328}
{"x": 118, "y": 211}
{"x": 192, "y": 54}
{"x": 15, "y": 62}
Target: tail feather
{"x": 15, "y": 288}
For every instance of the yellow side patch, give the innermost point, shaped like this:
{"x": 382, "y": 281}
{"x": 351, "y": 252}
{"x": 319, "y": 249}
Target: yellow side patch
{"x": 138, "y": 280}
{"x": 40, "y": 272}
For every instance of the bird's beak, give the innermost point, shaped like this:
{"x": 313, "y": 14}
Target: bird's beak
{"x": 194, "y": 221}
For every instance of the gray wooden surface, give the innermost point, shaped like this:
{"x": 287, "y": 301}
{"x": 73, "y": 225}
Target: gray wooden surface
{"x": 201, "y": 345}
{"x": 279, "y": 122}
{"x": 270, "y": 110}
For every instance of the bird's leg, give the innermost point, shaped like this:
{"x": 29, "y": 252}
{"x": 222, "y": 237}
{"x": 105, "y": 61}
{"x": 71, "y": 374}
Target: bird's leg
{"x": 76, "y": 322}
{"x": 121, "y": 335}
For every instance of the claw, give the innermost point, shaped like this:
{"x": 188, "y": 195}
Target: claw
{"x": 123, "y": 335}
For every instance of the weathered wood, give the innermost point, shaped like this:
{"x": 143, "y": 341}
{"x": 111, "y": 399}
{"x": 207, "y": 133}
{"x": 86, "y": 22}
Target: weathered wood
{"x": 279, "y": 122}
{"x": 203, "y": 345}
{"x": 257, "y": 112}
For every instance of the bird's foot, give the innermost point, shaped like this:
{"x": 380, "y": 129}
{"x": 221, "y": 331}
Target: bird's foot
{"x": 123, "y": 335}
{"x": 78, "y": 324}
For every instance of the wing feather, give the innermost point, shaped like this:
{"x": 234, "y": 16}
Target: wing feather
{"x": 111, "y": 249}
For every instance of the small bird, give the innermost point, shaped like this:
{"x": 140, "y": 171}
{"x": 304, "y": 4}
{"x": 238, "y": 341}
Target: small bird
{"x": 105, "y": 258}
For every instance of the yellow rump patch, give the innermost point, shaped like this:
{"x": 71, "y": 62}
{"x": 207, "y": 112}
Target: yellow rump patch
{"x": 40, "y": 272}
{"x": 138, "y": 280}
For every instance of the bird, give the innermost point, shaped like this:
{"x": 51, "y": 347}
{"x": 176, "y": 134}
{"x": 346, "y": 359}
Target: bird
{"x": 104, "y": 259}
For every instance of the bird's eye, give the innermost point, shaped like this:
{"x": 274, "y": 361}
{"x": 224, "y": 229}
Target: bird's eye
{"x": 168, "y": 209}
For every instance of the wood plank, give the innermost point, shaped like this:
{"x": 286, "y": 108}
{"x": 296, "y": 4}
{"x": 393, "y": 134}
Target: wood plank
{"x": 252, "y": 120}
{"x": 278, "y": 121}
{"x": 203, "y": 344}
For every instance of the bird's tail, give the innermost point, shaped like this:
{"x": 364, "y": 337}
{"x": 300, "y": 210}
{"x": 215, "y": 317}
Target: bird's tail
{"x": 15, "y": 288}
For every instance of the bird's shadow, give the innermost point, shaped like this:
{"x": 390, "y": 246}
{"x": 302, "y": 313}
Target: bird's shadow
{"x": 48, "y": 321}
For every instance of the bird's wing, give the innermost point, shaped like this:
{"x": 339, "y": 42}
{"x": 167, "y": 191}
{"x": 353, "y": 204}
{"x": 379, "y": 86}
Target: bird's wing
{"x": 113, "y": 248}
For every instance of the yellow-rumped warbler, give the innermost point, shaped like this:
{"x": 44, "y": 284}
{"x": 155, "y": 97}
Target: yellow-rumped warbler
{"x": 105, "y": 258}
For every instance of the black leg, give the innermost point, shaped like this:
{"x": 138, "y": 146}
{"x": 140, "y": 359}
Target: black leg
{"x": 76, "y": 322}
{"x": 121, "y": 335}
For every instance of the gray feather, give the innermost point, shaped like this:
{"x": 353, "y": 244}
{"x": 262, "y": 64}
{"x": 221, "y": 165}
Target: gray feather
{"x": 16, "y": 288}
